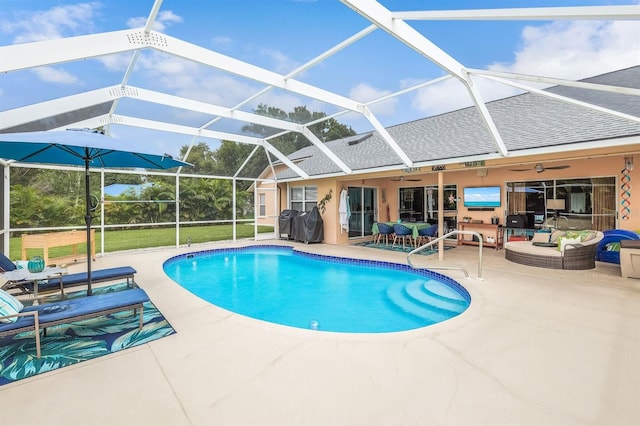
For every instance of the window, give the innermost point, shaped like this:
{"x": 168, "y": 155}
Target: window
{"x": 589, "y": 203}
{"x": 421, "y": 204}
{"x": 303, "y": 198}
{"x": 262, "y": 203}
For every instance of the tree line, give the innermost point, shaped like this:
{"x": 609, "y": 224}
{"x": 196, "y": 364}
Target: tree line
{"x": 47, "y": 198}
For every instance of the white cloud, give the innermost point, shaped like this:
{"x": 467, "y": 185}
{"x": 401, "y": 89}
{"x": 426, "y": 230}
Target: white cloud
{"x": 280, "y": 62}
{"x": 137, "y": 22}
{"x": 222, "y": 42}
{"x": 446, "y": 96}
{"x": 163, "y": 20}
{"x": 570, "y": 50}
{"x": 191, "y": 80}
{"x": 57, "y": 22}
{"x": 364, "y": 93}
{"x": 576, "y": 50}
{"x": 55, "y": 75}
{"x": 116, "y": 62}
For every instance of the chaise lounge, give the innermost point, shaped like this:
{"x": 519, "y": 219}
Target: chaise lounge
{"x": 562, "y": 250}
{"x": 16, "y": 318}
{"x": 71, "y": 280}
{"x": 78, "y": 279}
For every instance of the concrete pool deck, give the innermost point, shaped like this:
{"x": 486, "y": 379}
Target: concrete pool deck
{"x": 536, "y": 347}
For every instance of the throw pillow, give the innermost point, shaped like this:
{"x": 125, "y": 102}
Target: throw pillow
{"x": 563, "y": 241}
{"x": 9, "y": 305}
{"x": 555, "y": 236}
{"x": 587, "y": 235}
{"x": 572, "y": 234}
{"x": 541, "y": 237}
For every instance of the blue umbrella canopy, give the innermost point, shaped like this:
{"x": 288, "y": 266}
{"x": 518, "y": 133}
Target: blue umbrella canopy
{"x": 81, "y": 147}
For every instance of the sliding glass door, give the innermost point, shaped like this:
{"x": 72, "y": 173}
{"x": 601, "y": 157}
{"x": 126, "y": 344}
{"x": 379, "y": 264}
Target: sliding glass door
{"x": 363, "y": 204}
{"x": 589, "y": 203}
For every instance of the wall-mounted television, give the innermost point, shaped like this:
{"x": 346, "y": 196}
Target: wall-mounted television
{"x": 481, "y": 196}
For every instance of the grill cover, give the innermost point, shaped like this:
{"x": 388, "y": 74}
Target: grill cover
{"x": 308, "y": 227}
{"x": 285, "y": 222}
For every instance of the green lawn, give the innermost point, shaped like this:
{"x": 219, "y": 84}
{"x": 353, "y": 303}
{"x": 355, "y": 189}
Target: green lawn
{"x": 145, "y": 238}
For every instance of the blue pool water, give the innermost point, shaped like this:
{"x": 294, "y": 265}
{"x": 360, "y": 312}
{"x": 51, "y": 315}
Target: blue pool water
{"x": 280, "y": 285}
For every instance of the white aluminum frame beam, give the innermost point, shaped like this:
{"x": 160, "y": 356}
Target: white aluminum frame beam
{"x": 213, "y": 59}
{"x": 29, "y": 55}
{"x": 75, "y": 46}
{"x": 33, "y": 112}
{"x": 186, "y": 130}
{"x": 557, "y": 81}
{"x": 526, "y": 14}
{"x": 178, "y": 102}
{"x": 565, "y": 99}
{"x": 74, "y": 102}
{"x": 382, "y": 17}
{"x": 387, "y": 137}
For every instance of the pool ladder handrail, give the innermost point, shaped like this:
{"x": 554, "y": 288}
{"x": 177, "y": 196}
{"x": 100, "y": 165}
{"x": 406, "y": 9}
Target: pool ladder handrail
{"x": 454, "y": 232}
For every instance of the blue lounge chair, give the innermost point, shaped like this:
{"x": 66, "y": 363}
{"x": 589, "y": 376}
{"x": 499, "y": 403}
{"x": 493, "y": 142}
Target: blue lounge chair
{"x": 71, "y": 280}
{"x": 80, "y": 278}
{"x": 39, "y": 317}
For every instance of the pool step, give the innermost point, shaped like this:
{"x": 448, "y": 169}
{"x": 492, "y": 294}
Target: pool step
{"x": 436, "y": 296}
{"x": 415, "y": 299}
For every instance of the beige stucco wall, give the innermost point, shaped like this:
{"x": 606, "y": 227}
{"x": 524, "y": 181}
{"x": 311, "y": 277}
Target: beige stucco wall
{"x": 597, "y": 166}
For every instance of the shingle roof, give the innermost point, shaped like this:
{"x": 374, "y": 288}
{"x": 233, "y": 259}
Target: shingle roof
{"x": 526, "y": 121}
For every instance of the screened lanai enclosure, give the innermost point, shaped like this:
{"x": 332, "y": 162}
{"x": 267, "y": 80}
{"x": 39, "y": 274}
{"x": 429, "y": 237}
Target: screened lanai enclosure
{"x": 241, "y": 118}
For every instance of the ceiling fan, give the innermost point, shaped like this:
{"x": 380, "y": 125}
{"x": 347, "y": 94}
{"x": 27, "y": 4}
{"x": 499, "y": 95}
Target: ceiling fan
{"x": 405, "y": 179}
{"x": 539, "y": 168}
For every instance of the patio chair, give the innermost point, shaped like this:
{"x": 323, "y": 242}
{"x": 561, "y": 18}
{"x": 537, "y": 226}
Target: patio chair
{"x": 16, "y": 318}
{"x": 71, "y": 280}
{"x": 404, "y": 233}
{"x": 427, "y": 234}
{"x": 384, "y": 231}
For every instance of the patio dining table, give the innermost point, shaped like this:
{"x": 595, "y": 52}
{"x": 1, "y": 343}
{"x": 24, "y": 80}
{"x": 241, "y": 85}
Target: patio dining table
{"x": 414, "y": 226}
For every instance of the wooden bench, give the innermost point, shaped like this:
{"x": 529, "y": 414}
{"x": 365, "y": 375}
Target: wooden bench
{"x": 58, "y": 239}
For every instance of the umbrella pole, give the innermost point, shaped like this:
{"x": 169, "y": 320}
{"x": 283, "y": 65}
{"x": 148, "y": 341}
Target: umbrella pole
{"x": 87, "y": 220}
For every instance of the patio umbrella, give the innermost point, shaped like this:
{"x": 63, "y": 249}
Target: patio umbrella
{"x": 82, "y": 147}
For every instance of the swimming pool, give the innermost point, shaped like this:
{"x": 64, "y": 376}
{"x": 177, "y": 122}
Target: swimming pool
{"x": 283, "y": 286}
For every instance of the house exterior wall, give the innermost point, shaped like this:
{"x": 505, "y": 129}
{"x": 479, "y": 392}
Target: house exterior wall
{"x": 388, "y": 204}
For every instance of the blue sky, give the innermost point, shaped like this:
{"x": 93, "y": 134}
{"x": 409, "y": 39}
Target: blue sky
{"x": 281, "y": 35}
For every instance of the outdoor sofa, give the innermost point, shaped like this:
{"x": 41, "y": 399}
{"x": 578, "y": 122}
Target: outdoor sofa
{"x": 39, "y": 317}
{"x": 560, "y": 249}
